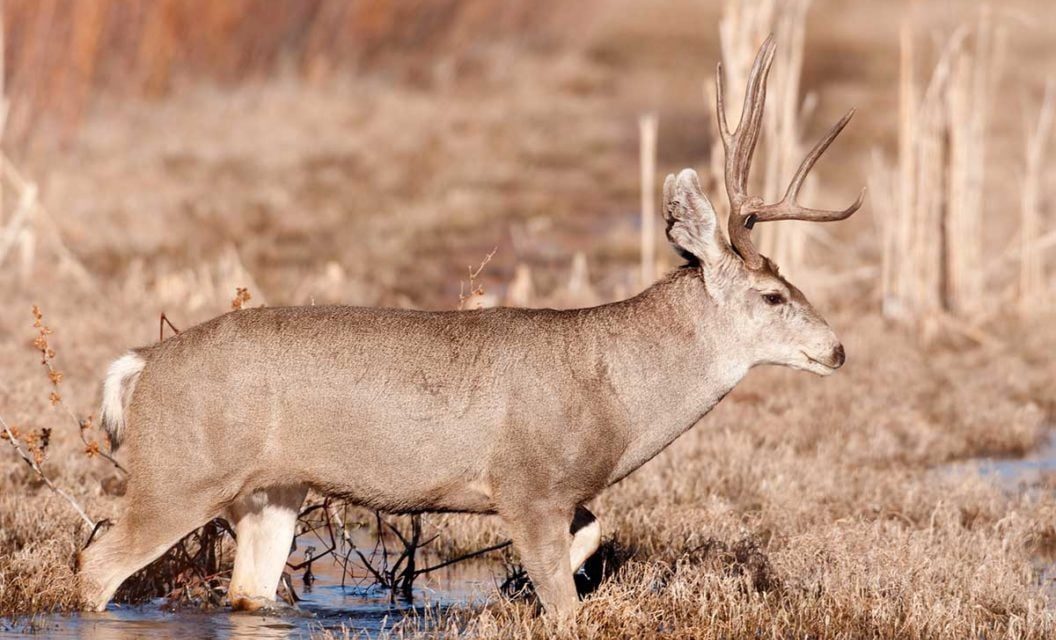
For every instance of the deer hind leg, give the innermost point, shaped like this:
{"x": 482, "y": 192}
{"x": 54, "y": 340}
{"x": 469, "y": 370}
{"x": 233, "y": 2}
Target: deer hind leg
{"x": 265, "y": 523}
{"x": 541, "y": 537}
{"x": 147, "y": 530}
{"x": 586, "y": 537}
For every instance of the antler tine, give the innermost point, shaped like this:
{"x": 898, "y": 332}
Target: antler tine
{"x": 740, "y": 145}
{"x": 788, "y": 208}
{"x": 720, "y": 108}
{"x": 754, "y": 106}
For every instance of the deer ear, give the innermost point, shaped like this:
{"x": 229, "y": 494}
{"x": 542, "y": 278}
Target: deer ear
{"x": 692, "y": 226}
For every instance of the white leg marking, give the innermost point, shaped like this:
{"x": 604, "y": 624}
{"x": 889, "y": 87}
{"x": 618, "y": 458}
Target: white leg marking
{"x": 584, "y": 543}
{"x": 266, "y": 522}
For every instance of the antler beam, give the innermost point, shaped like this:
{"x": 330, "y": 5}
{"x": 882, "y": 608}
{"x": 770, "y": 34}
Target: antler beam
{"x": 739, "y": 146}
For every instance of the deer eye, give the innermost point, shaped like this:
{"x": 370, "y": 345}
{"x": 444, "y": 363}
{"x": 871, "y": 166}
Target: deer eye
{"x": 773, "y": 299}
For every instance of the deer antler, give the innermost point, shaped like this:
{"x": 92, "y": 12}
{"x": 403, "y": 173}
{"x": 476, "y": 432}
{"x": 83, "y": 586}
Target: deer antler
{"x": 746, "y": 210}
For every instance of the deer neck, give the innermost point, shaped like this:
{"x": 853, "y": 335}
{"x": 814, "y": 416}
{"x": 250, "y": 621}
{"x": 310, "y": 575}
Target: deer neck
{"x": 672, "y": 356}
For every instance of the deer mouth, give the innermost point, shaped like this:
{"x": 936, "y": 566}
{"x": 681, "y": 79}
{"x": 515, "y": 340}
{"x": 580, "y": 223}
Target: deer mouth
{"x": 819, "y": 367}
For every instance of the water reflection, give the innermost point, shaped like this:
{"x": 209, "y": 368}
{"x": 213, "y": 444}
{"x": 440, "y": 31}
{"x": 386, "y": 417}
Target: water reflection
{"x": 149, "y": 621}
{"x": 327, "y": 605}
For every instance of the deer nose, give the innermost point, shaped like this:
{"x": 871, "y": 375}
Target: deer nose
{"x": 838, "y": 356}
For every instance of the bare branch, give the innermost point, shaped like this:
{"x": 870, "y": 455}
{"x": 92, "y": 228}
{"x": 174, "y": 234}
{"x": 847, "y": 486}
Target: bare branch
{"x": 28, "y": 459}
{"x": 467, "y": 556}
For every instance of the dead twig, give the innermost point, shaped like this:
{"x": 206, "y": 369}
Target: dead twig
{"x": 475, "y": 288}
{"x": 332, "y": 542}
{"x": 162, "y": 321}
{"x": 242, "y": 296}
{"x": 47, "y": 357}
{"x": 467, "y": 556}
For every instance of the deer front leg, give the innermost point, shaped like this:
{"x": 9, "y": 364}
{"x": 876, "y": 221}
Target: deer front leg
{"x": 265, "y": 522}
{"x": 542, "y": 538}
{"x": 586, "y": 537}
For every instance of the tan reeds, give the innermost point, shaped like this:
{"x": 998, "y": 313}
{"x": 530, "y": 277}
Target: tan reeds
{"x": 4, "y": 105}
{"x": 62, "y": 53}
{"x": 972, "y": 87}
{"x": 647, "y": 132}
{"x": 17, "y": 231}
{"x": 30, "y": 218}
{"x": 10, "y": 229}
{"x": 1032, "y": 284}
{"x": 579, "y": 287}
{"x": 932, "y": 240}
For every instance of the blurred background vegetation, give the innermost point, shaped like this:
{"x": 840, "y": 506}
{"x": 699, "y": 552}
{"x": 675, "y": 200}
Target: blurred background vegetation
{"x": 369, "y": 151}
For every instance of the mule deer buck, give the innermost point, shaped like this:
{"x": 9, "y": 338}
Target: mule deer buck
{"x": 524, "y": 413}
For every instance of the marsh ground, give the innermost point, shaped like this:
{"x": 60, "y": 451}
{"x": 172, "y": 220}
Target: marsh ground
{"x": 799, "y": 507}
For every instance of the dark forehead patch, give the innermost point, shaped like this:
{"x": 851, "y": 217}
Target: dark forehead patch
{"x": 770, "y": 268}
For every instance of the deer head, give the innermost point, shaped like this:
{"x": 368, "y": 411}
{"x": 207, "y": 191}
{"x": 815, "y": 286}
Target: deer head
{"x": 771, "y": 320}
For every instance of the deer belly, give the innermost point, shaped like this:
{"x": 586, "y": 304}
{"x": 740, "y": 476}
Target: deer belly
{"x": 398, "y": 469}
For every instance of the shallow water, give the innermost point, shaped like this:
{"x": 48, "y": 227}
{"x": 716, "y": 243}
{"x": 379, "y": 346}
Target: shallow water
{"x": 1030, "y": 473}
{"x": 327, "y": 605}
{"x": 1013, "y": 473}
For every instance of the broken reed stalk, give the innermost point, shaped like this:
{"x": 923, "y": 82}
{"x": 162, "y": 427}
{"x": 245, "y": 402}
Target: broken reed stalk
{"x": 647, "y": 132}
{"x": 974, "y": 80}
{"x": 164, "y": 320}
{"x": 21, "y": 228}
{"x": 23, "y": 216}
{"x": 1031, "y": 264}
{"x": 520, "y": 292}
{"x": 896, "y": 234}
{"x": 12, "y": 439}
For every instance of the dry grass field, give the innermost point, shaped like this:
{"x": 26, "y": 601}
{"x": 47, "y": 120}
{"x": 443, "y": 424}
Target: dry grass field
{"x": 371, "y": 168}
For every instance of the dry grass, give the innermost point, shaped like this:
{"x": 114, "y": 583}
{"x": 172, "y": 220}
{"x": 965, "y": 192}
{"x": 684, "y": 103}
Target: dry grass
{"x": 800, "y": 507}
{"x": 39, "y": 535}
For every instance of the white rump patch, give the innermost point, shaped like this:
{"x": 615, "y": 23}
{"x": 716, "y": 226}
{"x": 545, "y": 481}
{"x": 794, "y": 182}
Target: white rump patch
{"x": 120, "y": 380}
